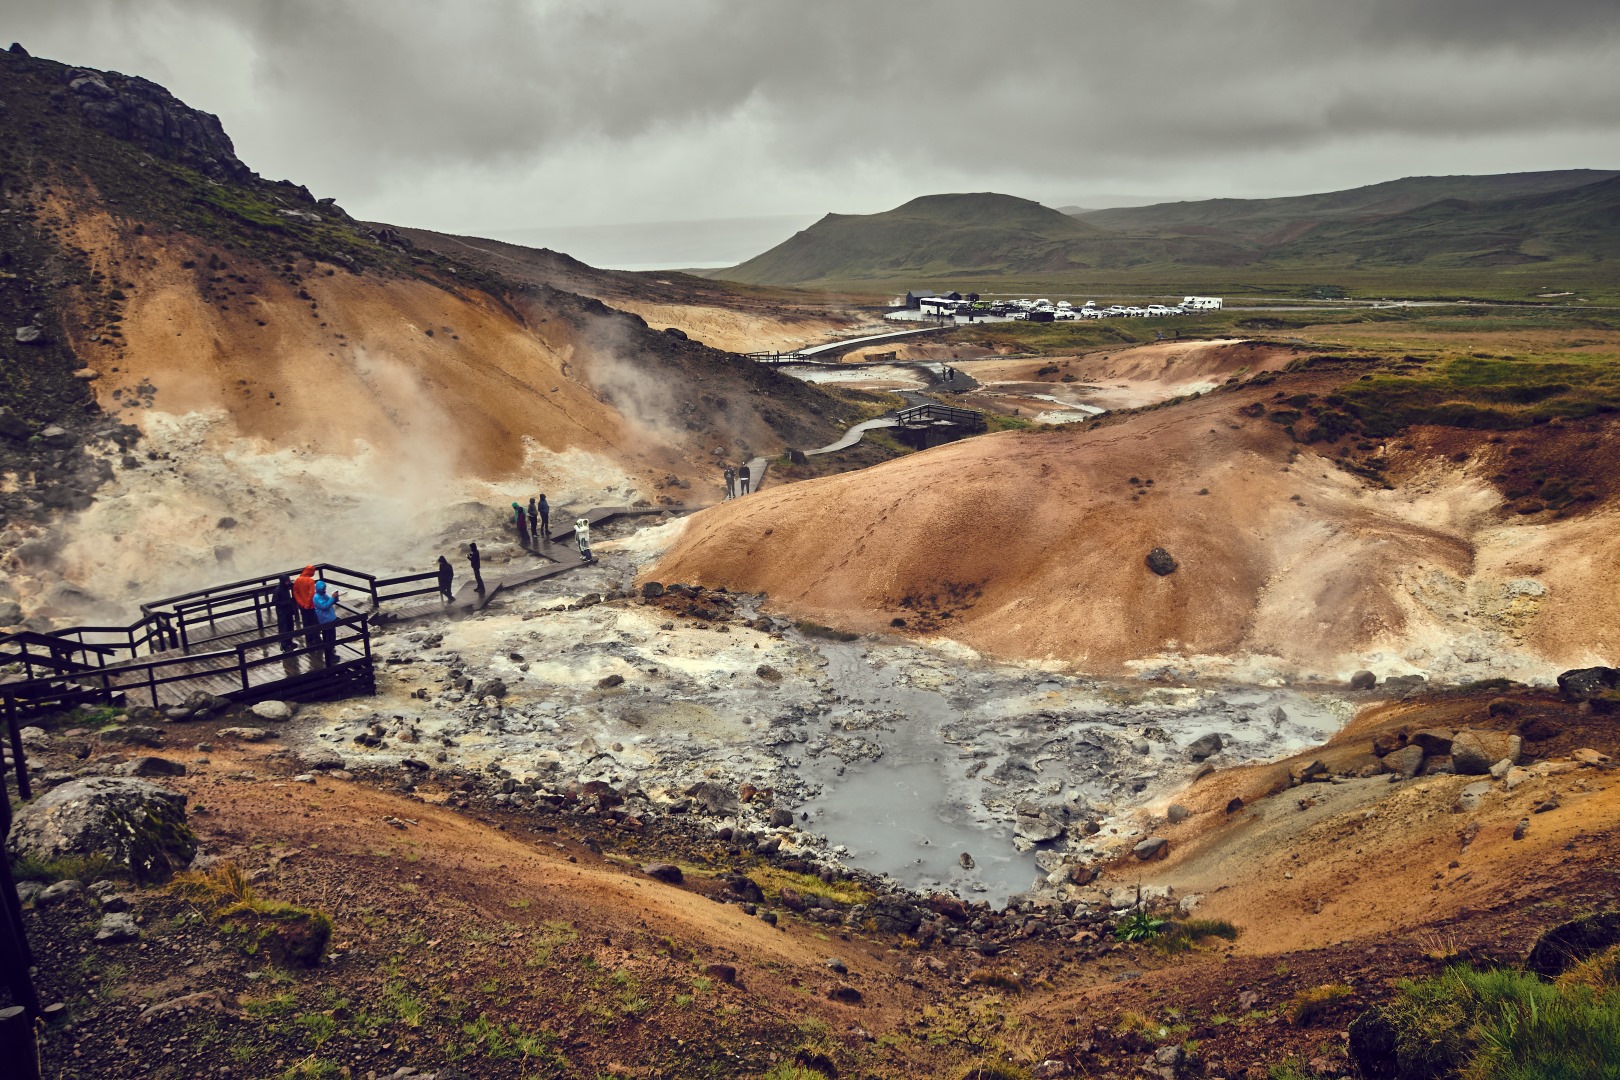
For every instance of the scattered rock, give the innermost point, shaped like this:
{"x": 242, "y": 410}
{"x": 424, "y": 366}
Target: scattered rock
{"x": 1502, "y": 707}
{"x": 1308, "y": 770}
{"x": 1474, "y": 752}
{"x": 652, "y": 589}
{"x": 58, "y": 892}
{"x": 1161, "y": 562}
{"x": 246, "y": 734}
{"x": 1549, "y": 803}
{"x": 132, "y": 735}
{"x": 1205, "y": 746}
{"x": 1406, "y": 762}
{"x": 845, "y": 993}
{"x": 665, "y": 872}
{"x": 1569, "y": 943}
{"x": 31, "y": 335}
{"x": 781, "y": 818}
{"x": 1470, "y": 796}
{"x": 1178, "y": 813}
{"x": 1582, "y": 684}
{"x": 835, "y": 964}
{"x": 12, "y": 426}
{"x": 1363, "y": 680}
{"x": 723, "y": 972}
{"x": 609, "y": 682}
{"x": 1154, "y": 847}
{"x": 272, "y": 710}
{"x": 1432, "y": 740}
{"x": 133, "y": 822}
{"x": 117, "y": 926}
{"x": 1521, "y": 829}
{"x": 768, "y": 673}
{"x": 1234, "y": 804}
{"x": 1587, "y": 756}
{"x": 1036, "y": 824}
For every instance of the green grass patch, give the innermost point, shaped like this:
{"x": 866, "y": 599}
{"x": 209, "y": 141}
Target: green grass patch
{"x": 844, "y": 893}
{"x": 288, "y": 933}
{"x": 1495, "y": 1024}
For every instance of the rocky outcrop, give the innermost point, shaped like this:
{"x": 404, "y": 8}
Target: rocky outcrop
{"x": 1583, "y": 684}
{"x": 132, "y": 822}
{"x": 144, "y": 113}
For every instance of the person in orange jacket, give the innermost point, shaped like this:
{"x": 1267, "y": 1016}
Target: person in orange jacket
{"x": 303, "y": 591}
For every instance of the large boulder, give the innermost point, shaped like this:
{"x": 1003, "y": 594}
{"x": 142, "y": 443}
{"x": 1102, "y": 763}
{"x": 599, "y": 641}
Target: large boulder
{"x": 1432, "y": 740}
{"x": 1036, "y": 824}
{"x": 1582, "y": 684}
{"x": 1205, "y": 746}
{"x": 134, "y": 823}
{"x": 1474, "y": 752}
{"x": 1405, "y": 762}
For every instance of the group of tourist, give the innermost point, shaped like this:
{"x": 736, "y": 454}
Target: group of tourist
{"x": 737, "y": 480}
{"x": 307, "y": 601}
{"x": 534, "y": 532}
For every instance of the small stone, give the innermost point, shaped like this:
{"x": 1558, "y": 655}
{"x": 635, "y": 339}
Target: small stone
{"x": 1521, "y": 829}
{"x": 62, "y": 890}
{"x": 151, "y": 766}
{"x": 723, "y": 972}
{"x": 117, "y": 926}
{"x": 1590, "y": 757}
{"x": 835, "y": 964}
{"x": 272, "y": 710}
{"x": 1178, "y": 813}
{"x": 1205, "y": 746}
{"x": 609, "y": 682}
{"x": 1161, "y": 562}
{"x": 665, "y": 872}
{"x": 1363, "y": 680}
{"x": 245, "y": 734}
{"x": 1154, "y": 847}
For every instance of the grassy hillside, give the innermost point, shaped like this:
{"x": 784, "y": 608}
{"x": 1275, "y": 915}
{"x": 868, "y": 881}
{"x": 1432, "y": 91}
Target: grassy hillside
{"x": 1491, "y": 237}
{"x": 1260, "y": 219}
{"x": 983, "y": 231}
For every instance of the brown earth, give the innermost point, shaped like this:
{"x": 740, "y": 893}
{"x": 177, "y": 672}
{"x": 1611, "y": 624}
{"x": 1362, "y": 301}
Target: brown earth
{"x": 330, "y": 361}
{"x": 1282, "y": 553}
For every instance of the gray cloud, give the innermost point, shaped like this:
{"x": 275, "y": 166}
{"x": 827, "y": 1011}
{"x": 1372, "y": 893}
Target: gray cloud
{"x": 515, "y": 113}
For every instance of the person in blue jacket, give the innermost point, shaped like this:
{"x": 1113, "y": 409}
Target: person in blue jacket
{"x": 326, "y": 615}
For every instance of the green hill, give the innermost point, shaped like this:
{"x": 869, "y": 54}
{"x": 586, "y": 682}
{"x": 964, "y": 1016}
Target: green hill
{"x": 1436, "y": 223}
{"x": 982, "y": 232}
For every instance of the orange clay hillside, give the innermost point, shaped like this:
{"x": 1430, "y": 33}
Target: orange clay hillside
{"x": 1033, "y": 545}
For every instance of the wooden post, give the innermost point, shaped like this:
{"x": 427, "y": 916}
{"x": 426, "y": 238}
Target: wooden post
{"x": 17, "y": 757}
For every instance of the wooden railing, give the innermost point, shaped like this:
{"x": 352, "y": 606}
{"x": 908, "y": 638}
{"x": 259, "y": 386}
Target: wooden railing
{"x": 929, "y": 414}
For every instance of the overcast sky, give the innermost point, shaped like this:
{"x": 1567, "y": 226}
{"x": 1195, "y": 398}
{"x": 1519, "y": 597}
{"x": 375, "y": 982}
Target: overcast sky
{"x": 492, "y": 115}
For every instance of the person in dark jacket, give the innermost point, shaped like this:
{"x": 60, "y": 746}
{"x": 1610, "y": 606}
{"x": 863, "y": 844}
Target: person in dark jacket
{"x": 544, "y": 509}
{"x": 742, "y": 479}
{"x": 522, "y": 523}
{"x": 326, "y": 615}
{"x": 731, "y": 482}
{"x": 472, "y": 557}
{"x": 446, "y": 576}
{"x": 303, "y": 592}
{"x": 286, "y": 613}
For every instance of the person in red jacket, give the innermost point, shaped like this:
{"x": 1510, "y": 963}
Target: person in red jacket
{"x": 303, "y": 591}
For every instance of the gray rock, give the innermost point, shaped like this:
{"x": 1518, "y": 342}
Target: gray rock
{"x": 1406, "y": 762}
{"x": 1473, "y": 753}
{"x": 1279, "y": 715}
{"x": 666, "y": 872}
{"x": 117, "y": 926}
{"x": 1581, "y": 684}
{"x": 1035, "y": 824}
{"x": 34, "y": 738}
{"x": 1160, "y": 562}
{"x": 835, "y": 964}
{"x": 62, "y": 890}
{"x": 318, "y": 759}
{"x": 715, "y": 798}
{"x": 781, "y": 818}
{"x": 133, "y": 822}
{"x": 272, "y": 710}
{"x": 11, "y": 613}
{"x": 28, "y": 890}
{"x": 151, "y": 766}
{"x": 133, "y": 735}
{"x": 1433, "y": 740}
{"x": 1205, "y": 746}
{"x": 1152, "y": 848}
{"x": 246, "y": 734}
{"x": 1178, "y": 813}
{"x": 1363, "y": 680}
{"x": 31, "y": 335}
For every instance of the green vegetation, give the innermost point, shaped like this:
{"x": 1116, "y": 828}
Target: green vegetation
{"x": 82, "y": 868}
{"x": 287, "y": 932}
{"x": 1498, "y": 1024}
{"x": 1482, "y": 391}
{"x": 1307, "y": 1005}
{"x": 1178, "y": 937}
{"x": 1139, "y": 926}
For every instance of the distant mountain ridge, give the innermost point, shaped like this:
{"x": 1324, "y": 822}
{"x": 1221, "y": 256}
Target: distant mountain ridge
{"x": 934, "y": 233}
{"x": 1437, "y": 221}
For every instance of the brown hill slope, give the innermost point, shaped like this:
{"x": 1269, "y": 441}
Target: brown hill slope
{"x": 1033, "y": 545}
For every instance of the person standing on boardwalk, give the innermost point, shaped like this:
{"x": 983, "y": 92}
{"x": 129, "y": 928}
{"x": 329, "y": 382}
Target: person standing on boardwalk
{"x": 303, "y": 593}
{"x": 582, "y": 534}
{"x": 472, "y": 557}
{"x": 522, "y": 524}
{"x": 534, "y": 520}
{"x": 731, "y": 482}
{"x": 326, "y": 615}
{"x": 446, "y": 576}
{"x": 286, "y": 613}
{"x": 544, "y": 519}
{"x": 742, "y": 478}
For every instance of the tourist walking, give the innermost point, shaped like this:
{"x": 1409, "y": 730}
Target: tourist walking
{"x": 286, "y": 613}
{"x": 534, "y": 519}
{"x": 303, "y": 591}
{"x": 326, "y": 615}
{"x": 742, "y": 479}
{"x": 447, "y": 575}
{"x": 545, "y": 519}
{"x": 522, "y": 524}
{"x": 472, "y": 557}
{"x": 731, "y": 482}
{"x": 582, "y": 535}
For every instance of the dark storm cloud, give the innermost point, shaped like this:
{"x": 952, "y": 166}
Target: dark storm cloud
{"x": 364, "y": 96}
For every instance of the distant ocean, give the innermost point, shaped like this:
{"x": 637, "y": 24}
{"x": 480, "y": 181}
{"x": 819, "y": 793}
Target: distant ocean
{"x": 662, "y": 245}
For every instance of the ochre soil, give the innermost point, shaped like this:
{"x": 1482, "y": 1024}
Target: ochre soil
{"x": 1284, "y": 550}
{"x": 449, "y": 921}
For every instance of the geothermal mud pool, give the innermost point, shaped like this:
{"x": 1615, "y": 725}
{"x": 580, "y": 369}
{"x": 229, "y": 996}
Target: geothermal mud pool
{"x": 926, "y": 764}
